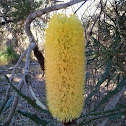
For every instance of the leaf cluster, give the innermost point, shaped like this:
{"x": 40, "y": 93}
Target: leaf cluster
{"x": 20, "y": 9}
{"x": 106, "y": 51}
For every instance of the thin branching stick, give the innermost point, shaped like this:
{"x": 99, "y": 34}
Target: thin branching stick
{"x": 41, "y": 12}
{"x": 14, "y": 105}
{"x": 12, "y": 77}
{"x": 26, "y": 72}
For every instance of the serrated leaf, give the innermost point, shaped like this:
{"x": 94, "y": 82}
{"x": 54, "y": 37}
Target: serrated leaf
{"x": 34, "y": 117}
{"x": 102, "y": 79}
{"x": 115, "y": 110}
{"x": 111, "y": 115}
{"x": 30, "y": 101}
{"x": 111, "y": 94}
{"x": 115, "y": 113}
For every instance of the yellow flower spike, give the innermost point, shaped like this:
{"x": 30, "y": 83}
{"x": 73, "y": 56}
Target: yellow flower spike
{"x": 64, "y": 67}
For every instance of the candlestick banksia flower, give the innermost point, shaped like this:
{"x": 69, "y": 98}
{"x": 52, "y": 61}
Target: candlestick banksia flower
{"x": 64, "y": 67}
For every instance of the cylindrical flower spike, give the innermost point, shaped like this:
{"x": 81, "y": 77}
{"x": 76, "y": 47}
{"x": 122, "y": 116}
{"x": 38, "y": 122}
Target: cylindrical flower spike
{"x": 64, "y": 67}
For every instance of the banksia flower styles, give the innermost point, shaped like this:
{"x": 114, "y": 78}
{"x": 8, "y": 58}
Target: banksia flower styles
{"x": 64, "y": 67}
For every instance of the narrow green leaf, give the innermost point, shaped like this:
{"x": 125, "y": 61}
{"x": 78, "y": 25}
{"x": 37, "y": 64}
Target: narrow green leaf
{"x": 30, "y": 101}
{"x": 88, "y": 43}
{"x": 34, "y": 117}
{"x": 111, "y": 94}
{"x": 112, "y": 116}
{"x": 110, "y": 78}
{"x": 98, "y": 43}
{"x": 115, "y": 110}
{"x": 8, "y": 103}
{"x": 89, "y": 121}
{"x": 1, "y": 106}
{"x": 102, "y": 79}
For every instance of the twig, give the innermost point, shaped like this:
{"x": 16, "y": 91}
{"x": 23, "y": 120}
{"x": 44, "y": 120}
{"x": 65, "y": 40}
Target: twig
{"x": 39, "y": 13}
{"x": 26, "y": 72}
{"x": 117, "y": 16}
{"x": 11, "y": 79}
{"x": 26, "y": 87}
{"x": 80, "y": 6}
{"x": 102, "y": 8}
{"x": 17, "y": 64}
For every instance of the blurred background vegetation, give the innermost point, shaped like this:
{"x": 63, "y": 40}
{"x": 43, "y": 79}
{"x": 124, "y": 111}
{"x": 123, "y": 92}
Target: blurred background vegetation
{"x": 13, "y": 14}
{"x": 105, "y": 33}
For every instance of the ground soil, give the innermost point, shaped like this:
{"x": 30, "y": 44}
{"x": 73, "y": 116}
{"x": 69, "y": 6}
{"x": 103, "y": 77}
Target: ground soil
{"x": 38, "y": 86}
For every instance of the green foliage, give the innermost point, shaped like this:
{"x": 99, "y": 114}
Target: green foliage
{"x": 30, "y": 101}
{"x": 34, "y": 117}
{"x": 7, "y": 105}
{"x": 20, "y": 9}
{"x": 115, "y": 113}
{"x": 107, "y": 52}
{"x": 8, "y": 56}
{"x": 111, "y": 115}
{"x": 102, "y": 79}
{"x": 110, "y": 94}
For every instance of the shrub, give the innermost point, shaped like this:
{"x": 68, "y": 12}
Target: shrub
{"x": 8, "y": 56}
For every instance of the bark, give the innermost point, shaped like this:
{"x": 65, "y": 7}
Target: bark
{"x": 39, "y": 57}
{"x": 39, "y": 13}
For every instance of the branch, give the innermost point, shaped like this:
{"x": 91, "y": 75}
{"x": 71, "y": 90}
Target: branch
{"x": 80, "y": 6}
{"x": 39, "y": 57}
{"x": 26, "y": 72}
{"x": 6, "y": 22}
{"x": 39, "y": 13}
{"x": 14, "y": 105}
{"x": 11, "y": 79}
{"x": 98, "y": 17}
{"x": 28, "y": 81}
{"x": 112, "y": 104}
